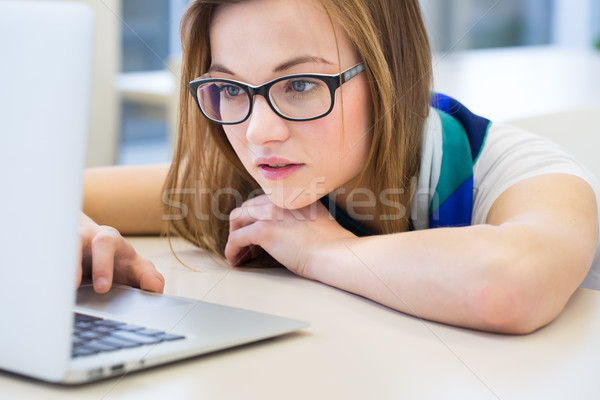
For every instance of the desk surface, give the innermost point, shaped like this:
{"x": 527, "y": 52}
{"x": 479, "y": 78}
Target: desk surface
{"x": 354, "y": 348}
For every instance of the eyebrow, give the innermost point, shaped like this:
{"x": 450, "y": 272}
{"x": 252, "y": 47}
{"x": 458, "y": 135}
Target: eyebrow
{"x": 280, "y": 68}
{"x": 300, "y": 60}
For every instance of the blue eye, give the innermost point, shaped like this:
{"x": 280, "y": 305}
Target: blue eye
{"x": 299, "y": 86}
{"x": 231, "y": 90}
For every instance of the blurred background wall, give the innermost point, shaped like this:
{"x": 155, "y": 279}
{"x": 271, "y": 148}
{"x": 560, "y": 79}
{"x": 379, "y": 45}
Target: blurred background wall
{"x": 141, "y": 71}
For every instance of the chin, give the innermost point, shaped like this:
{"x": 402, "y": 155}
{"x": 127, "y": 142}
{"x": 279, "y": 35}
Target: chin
{"x": 293, "y": 200}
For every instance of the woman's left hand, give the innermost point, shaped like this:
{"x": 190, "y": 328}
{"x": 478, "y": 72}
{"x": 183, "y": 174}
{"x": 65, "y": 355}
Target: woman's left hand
{"x": 289, "y": 236}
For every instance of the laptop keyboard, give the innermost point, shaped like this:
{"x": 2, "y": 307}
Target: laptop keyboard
{"x": 92, "y": 335}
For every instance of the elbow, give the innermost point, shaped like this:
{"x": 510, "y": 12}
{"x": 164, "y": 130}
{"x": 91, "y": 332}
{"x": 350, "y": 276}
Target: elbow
{"x": 519, "y": 292}
{"x": 515, "y": 303}
{"x": 497, "y": 301}
{"x": 510, "y": 301}
{"x": 503, "y": 309}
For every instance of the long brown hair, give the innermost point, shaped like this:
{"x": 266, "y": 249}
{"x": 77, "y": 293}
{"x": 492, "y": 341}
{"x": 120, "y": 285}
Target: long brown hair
{"x": 207, "y": 180}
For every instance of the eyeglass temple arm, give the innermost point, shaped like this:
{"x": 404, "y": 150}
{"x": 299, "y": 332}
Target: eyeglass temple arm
{"x": 352, "y": 72}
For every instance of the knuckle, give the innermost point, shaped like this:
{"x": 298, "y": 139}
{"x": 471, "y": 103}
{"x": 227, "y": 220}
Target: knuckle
{"x": 235, "y": 213}
{"x": 246, "y": 202}
{"x": 261, "y": 213}
{"x": 261, "y": 232}
{"x": 106, "y": 234}
{"x": 233, "y": 237}
{"x": 86, "y": 231}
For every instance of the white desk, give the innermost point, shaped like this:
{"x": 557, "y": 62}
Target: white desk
{"x": 354, "y": 348}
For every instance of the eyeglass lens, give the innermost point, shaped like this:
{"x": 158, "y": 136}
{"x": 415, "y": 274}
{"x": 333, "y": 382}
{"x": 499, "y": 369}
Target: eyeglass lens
{"x": 297, "y": 98}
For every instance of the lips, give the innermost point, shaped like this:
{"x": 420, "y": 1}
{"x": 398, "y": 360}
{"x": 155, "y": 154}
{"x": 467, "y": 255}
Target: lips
{"x": 277, "y": 168}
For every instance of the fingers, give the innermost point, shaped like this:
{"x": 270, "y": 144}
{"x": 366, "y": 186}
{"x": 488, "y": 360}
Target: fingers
{"x": 241, "y": 245}
{"x": 152, "y": 281}
{"x": 252, "y": 211}
{"x": 109, "y": 258}
{"x": 103, "y": 249}
{"x": 143, "y": 274}
{"x": 115, "y": 260}
{"x": 287, "y": 235}
{"x": 249, "y": 227}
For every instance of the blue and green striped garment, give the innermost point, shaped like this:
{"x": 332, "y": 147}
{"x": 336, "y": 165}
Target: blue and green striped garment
{"x": 463, "y": 135}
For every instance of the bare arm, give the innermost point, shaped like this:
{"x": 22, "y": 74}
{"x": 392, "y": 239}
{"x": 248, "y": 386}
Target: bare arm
{"x": 513, "y": 274}
{"x": 127, "y": 198}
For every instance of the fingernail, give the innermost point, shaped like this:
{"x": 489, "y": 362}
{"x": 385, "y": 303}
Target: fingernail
{"x": 101, "y": 283}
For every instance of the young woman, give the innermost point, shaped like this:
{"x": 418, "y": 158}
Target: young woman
{"x": 310, "y": 137}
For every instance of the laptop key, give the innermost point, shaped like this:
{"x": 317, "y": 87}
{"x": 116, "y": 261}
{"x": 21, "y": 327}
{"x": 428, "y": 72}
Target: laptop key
{"x": 98, "y": 346}
{"x": 103, "y": 330}
{"x": 120, "y": 343}
{"x": 168, "y": 337}
{"x": 77, "y": 341}
{"x": 81, "y": 351}
{"x": 109, "y": 322}
{"x": 130, "y": 327}
{"x": 94, "y": 335}
{"x": 86, "y": 318}
{"x": 83, "y": 325}
{"x": 149, "y": 332}
{"x": 135, "y": 337}
{"x": 90, "y": 335}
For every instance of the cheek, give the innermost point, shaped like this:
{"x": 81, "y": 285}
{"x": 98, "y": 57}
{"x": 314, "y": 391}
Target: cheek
{"x": 348, "y": 150}
{"x": 236, "y": 135}
{"x": 359, "y": 108}
{"x": 358, "y": 123}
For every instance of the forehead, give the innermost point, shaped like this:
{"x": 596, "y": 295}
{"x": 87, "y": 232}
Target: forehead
{"x": 252, "y": 38}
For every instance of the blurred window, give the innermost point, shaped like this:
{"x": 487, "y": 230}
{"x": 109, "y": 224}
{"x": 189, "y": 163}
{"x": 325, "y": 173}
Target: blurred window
{"x": 150, "y": 37}
{"x": 472, "y": 24}
{"x": 455, "y": 25}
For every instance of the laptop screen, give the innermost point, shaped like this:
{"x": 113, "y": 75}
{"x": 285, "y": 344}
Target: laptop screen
{"x": 45, "y": 73}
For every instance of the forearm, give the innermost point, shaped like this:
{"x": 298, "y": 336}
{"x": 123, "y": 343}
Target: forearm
{"x": 483, "y": 277}
{"x": 126, "y": 198}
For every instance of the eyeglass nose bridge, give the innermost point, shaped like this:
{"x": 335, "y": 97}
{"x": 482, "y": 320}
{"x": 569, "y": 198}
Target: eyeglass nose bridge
{"x": 263, "y": 91}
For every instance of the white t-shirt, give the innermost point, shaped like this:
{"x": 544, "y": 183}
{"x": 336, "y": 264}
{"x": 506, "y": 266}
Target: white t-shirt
{"x": 509, "y": 155}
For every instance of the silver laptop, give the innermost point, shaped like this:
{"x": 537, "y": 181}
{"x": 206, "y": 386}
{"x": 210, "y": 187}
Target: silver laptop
{"x": 46, "y": 51}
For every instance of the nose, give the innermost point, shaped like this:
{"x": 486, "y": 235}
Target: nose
{"x": 265, "y": 125}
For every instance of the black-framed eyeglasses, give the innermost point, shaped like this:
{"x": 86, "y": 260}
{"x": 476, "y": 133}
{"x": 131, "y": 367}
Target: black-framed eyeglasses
{"x": 302, "y": 97}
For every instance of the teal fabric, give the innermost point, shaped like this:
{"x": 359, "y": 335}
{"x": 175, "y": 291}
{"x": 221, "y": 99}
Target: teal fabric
{"x": 463, "y": 136}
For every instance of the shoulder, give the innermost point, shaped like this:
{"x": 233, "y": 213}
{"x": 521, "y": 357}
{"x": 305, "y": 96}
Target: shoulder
{"x": 510, "y": 155}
